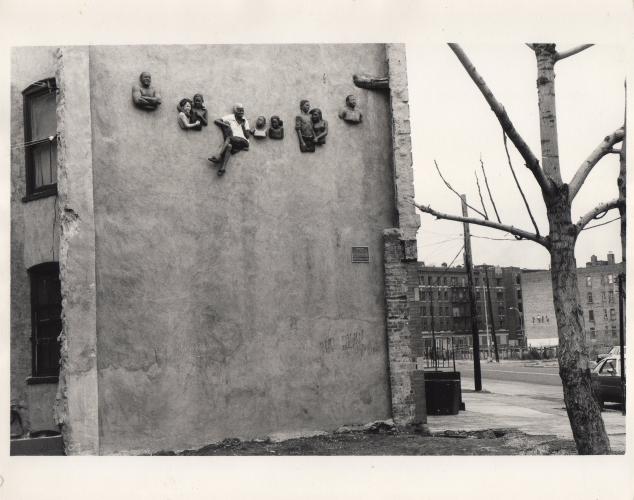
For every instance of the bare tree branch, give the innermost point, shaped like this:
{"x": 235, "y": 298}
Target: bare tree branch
{"x": 520, "y": 233}
{"x": 486, "y": 214}
{"x": 597, "y": 211}
{"x": 586, "y": 167}
{"x": 486, "y": 183}
{"x": 505, "y": 122}
{"x": 571, "y": 52}
{"x": 517, "y": 183}
{"x": 454, "y": 191}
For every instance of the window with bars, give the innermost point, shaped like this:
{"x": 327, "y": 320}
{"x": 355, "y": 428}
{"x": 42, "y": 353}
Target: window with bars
{"x": 46, "y": 319}
{"x": 40, "y": 139}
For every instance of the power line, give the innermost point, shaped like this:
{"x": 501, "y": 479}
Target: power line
{"x": 602, "y": 224}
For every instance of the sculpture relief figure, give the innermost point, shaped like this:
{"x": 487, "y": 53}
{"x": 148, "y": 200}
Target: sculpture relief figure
{"x": 304, "y": 128}
{"x": 260, "y": 127}
{"x": 349, "y": 113}
{"x": 235, "y": 128}
{"x": 144, "y": 95}
{"x": 320, "y": 126}
{"x": 199, "y": 111}
{"x": 185, "y": 115}
{"x": 276, "y": 130}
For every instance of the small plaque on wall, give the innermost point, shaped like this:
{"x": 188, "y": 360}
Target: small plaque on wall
{"x": 360, "y": 255}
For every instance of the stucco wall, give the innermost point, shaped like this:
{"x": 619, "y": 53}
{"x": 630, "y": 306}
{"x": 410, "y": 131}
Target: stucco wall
{"x": 34, "y": 239}
{"x": 229, "y": 306}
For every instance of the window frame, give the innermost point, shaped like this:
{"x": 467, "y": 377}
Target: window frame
{"x": 36, "y": 89}
{"x": 36, "y": 274}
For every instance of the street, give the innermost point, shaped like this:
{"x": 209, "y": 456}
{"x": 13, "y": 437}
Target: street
{"x": 521, "y": 371}
{"x": 521, "y": 395}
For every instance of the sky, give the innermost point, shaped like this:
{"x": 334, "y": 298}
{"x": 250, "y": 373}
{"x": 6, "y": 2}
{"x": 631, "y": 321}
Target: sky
{"x": 453, "y": 124}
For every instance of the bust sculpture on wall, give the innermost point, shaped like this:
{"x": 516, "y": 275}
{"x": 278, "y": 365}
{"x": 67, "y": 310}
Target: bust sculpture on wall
{"x": 144, "y": 95}
{"x": 276, "y": 130}
{"x": 349, "y": 113}
{"x": 304, "y": 128}
{"x": 320, "y": 126}
{"x": 235, "y": 128}
{"x": 185, "y": 117}
{"x": 260, "y": 128}
{"x": 199, "y": 111}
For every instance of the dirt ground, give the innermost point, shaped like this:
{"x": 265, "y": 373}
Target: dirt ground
{"x": 388, "y": 440}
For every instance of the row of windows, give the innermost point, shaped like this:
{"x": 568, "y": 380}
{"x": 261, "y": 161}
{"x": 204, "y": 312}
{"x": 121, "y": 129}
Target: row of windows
{"x": 605, "y": 315}
{"x": 593, "y": 333}
{"x": 605, "y": 280}
{"x": 609, "y": 296}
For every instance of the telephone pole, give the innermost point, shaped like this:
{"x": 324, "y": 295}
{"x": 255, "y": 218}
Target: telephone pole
{"x": 468, "y": 264}
{"x": 495, "y": 341}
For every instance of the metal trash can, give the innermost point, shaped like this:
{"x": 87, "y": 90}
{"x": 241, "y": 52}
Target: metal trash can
{"x": 443, "y": 393}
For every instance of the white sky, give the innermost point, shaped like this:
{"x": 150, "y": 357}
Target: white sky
{"x": 452, "y": 123}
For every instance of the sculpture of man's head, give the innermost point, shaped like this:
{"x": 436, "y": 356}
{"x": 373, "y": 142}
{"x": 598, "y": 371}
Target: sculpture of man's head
{"x": 238, "y": 111}
{"x": 351, "y": 101}
{"x": 304, "y": 105}
{"x": 260, "y": 123}
{"x": 198, "y": 101}
{"x": 146, "y": 79}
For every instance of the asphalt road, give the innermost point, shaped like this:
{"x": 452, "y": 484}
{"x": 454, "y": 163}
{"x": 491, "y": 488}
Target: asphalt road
{"x": 519, "y": 371}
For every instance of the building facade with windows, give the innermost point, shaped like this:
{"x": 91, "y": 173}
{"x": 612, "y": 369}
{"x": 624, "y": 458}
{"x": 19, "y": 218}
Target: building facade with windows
{"x": 440, "y": 308}
{"x": 158, "y": 306}
{"x": 598, "y": 298}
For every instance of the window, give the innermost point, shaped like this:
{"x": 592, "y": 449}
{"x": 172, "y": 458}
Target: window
{"x": 589, "y": 281}
{"x": 611, "y": 297}
{"x": 519, "y": 295}
{"x": 416, "y": 294}
{"x": 423, "y": 311}
{"x": 40, "y": 139}
{"x": 592, "y": 333}
{"x": 453, "y": 281}
{"x": 612, "y": 314}
{"x": 605, "y": 314}
{"x": 456, "y": 312}
{"x": 610, "y": 279}
{"x": 46, "y": 319}
{"x": 614, "y": 330}
{"x": 589, "y": 297}
{"x": 591, "y": 315}
{"x": 498, "y": 282}
{"x": 602, "y": 296}
{"x": 446, "y": 295}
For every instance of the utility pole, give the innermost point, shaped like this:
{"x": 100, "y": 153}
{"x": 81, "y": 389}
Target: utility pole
{"x": 622, "y": 336}
{"x": 468, "y": 264}
{"x": 495, "y": 341}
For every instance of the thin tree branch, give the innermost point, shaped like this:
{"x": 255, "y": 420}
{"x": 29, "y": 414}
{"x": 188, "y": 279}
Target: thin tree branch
{"x": 571, "y": 52}
{"x": 486, "y": 183}
{"x": 520, "y": 233}
{"x": 531, "y": 46}
{"x": 454, "y": 191}
{"x": 517, "y": 183}
{"x": 586, "y": 167}
{"x": 486, "y": 214}
{"x": 505, "y": 122}
{"x": 598, "y": 212}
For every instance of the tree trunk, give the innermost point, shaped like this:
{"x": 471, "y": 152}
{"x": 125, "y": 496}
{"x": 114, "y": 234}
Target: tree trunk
{"x": 583, "y": 409}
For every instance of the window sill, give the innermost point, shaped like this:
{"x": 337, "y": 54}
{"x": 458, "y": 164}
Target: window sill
{"x": 52, "y": 191}
{"x": 42, "y": 380}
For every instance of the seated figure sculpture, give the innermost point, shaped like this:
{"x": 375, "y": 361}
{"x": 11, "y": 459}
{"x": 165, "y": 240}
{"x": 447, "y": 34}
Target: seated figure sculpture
{"x": 349, "y": 113}
{"x": 235, "y": 128}
{"x": 144, "y": 95}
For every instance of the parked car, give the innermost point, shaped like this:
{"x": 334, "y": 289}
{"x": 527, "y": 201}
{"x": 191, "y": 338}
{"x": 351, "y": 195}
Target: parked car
{"x": 606, "y": 380}
{"x": 615, "y": 351}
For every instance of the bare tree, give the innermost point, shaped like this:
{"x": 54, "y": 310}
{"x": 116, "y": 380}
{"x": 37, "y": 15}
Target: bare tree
{"x": 574, "y": 368}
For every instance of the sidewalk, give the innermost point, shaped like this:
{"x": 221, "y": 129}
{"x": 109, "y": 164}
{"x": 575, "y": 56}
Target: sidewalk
{"x": 530, "y": 408}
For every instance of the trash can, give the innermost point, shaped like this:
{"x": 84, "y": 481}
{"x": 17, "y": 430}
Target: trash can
{"x": 443, "y": 393}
